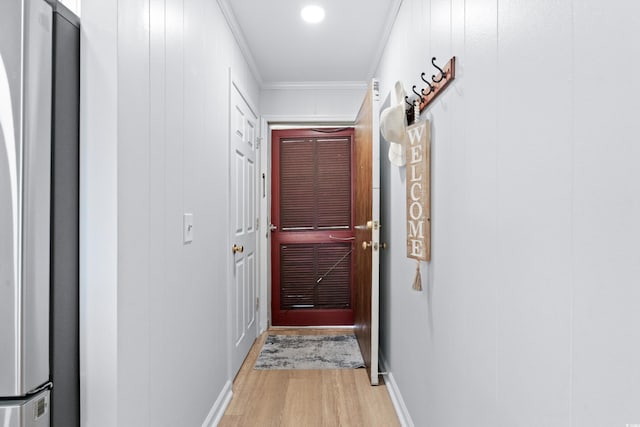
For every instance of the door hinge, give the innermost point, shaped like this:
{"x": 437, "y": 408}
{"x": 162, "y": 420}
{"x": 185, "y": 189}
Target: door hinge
{"x": 257, "y": 223}
{"x": 258, "y": 303}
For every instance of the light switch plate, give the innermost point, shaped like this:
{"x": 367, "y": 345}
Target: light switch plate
{"x": 188, "y": 227}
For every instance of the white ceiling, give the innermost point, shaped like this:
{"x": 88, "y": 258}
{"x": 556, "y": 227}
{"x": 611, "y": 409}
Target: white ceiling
{"x": 282, "y": 49}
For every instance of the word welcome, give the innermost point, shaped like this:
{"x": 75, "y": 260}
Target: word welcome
{"x": 418, "y": 192}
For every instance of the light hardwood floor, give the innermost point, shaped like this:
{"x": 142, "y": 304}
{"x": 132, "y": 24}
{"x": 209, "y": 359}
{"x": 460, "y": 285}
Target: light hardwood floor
{"x": 306, "y": 398}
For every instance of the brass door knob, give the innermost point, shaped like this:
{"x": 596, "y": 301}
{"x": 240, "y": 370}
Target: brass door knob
{"x": 237, "y": 249}
{"x": 366, "y": 245}
{"x": 383, "y": 245}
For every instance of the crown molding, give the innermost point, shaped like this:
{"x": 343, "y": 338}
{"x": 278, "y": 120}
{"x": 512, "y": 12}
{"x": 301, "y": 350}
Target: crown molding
{"x": 230, "y": 17}
{"x": 394, "y": 9}
{"x": 329, "y": 85}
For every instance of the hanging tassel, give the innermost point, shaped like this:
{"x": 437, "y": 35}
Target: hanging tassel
{"x": 417, "y": 282}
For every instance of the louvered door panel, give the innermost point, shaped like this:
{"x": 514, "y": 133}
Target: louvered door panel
{"x": 334, "y": 272}
{"x": 297, "y": 200}
{"x": 297, "y": 273}
{"x": 315, "y": 276}
{"x": 334, "y": 183}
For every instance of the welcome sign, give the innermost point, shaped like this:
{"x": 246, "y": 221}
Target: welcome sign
{"x": 419, "y": 191}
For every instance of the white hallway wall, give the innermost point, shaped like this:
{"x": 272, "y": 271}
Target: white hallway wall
{"x": 312, "y": 102}
{"x": 533, "y": 304}
{"x": 154, "y": 143}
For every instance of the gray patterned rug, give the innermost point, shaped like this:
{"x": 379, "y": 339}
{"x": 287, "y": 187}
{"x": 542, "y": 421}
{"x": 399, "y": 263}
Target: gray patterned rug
{"x": 310, "y": 352}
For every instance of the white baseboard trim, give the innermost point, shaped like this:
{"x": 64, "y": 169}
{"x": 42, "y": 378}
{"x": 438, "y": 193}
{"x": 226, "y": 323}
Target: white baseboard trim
{"x": 218, "y": 408}
{"x": 396, "y": 397}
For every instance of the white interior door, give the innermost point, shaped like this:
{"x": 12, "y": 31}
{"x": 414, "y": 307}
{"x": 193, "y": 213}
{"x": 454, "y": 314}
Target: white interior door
{"x": 244, "y": 222}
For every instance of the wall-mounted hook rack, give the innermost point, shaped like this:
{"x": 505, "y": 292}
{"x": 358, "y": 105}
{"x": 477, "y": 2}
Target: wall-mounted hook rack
{"x": 445, "y": 76}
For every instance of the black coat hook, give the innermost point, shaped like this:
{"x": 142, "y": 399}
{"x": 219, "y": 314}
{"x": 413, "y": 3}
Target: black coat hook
{"x": 406, "y": 99}
{"x": 443, "y": 75}
{"x": 431, "y": 88}
{"x": 419, "y": 96}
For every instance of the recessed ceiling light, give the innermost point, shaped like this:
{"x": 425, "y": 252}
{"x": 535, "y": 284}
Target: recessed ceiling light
{"x": 312, "y": 14}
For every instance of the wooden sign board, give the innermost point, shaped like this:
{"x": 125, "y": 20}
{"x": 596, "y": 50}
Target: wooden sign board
{"x": 419, "y": 191}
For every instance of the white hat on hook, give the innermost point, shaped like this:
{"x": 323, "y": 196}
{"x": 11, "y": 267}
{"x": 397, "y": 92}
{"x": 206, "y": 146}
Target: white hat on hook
{"x": 393, "y": 126}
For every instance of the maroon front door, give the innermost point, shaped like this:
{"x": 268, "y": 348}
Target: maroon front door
{"x": 312, "y": 244}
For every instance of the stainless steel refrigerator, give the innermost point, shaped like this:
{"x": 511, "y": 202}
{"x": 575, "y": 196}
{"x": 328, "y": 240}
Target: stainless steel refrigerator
{"x": 25, "y": 197}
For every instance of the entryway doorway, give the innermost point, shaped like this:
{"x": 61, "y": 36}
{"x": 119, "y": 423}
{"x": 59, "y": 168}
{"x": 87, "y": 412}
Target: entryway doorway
{"x": 355, "y": 236}
{"x": 312, "y": 239}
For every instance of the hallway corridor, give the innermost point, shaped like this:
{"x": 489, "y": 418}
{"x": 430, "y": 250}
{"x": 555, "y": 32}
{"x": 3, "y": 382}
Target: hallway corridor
{"x": 306, "y": 397}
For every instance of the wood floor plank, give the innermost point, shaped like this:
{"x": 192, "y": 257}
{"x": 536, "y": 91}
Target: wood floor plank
{"x": 340, "y": 405}
{"x": 303, "y": 401}
{"x": 283, "y": 398}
